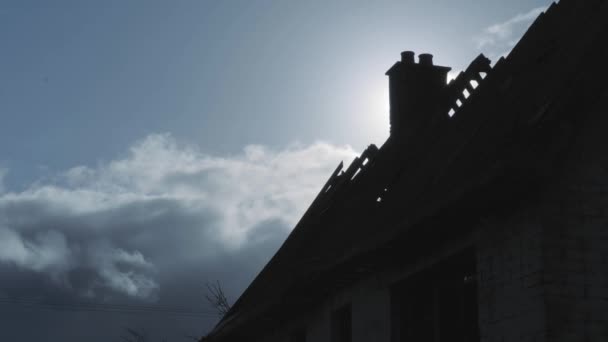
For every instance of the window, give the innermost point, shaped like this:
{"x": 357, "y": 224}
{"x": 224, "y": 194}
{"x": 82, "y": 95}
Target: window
{"x": 438, "y": 304}
{"x": 298, "y": 335}
{"x": 341, "y": 324}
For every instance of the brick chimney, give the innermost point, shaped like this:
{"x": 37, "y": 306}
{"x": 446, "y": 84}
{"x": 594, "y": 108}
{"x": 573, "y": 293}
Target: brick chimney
{"x": 417, "y": 94}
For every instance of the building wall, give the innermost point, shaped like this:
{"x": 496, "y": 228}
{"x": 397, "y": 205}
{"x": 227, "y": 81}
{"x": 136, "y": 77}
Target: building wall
{"x": 370, "y": 304}
{"x": 542, "y": 273}
{"x": 575, "y": 244}
{"x": 509, "y": 272}
{"x": 370, "y": 301}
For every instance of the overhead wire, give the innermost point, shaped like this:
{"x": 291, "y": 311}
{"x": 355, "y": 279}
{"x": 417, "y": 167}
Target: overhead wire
{"x": 106, "y": 308}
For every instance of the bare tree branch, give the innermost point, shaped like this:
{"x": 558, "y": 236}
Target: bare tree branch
{"x": 192, "y": 337}
{"x": 217, "y": 298}
{"x": 133, "y": 336}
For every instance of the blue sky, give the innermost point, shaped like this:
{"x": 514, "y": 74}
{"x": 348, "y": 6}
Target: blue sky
{"x": 149, "y": 146}
{"x": 81, "y": 80}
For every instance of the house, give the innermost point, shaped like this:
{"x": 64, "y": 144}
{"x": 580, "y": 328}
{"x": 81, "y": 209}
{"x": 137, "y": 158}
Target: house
{"x": 483, "y": 217}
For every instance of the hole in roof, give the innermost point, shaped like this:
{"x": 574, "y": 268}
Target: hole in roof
{"x": 459, "y": 103}
{"x": 356, "y": 174}
{"x": 365, "y": 161}
{"x": 466, "y": 94}
{"x": 452, "y": 112}
{"x": 475, "y": 84}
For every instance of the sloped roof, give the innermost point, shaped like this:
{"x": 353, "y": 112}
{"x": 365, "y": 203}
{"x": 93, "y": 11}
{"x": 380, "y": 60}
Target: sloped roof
{"x": 508, "y": 135}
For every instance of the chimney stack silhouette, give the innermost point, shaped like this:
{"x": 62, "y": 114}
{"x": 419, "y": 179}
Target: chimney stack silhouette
{"x": 417, "y": 94}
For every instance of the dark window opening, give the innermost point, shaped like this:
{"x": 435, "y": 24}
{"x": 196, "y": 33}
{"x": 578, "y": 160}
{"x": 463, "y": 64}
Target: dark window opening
{"x": 341, "y": 325}
{"x": 438, "y": 304}
{"x": 298, "y": 336}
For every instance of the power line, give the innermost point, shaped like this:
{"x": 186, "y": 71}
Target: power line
{"x": 40, "y": 299}
{"x": 81, "y": 308}
{"x": 108, "y": 308}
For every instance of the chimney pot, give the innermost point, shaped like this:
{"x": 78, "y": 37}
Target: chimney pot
{"x": 407, "y": 57}
{"x": 426, "y": 59}
{"x": 417, "y": 95}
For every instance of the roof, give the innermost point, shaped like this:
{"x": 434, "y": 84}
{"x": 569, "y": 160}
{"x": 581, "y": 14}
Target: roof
{"x": 507, "y": 136}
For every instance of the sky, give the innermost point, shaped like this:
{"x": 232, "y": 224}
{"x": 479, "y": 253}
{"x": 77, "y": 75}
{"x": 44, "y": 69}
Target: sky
{"x": 150, "y": 147}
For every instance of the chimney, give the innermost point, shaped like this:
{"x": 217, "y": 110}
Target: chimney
{"x": 417, "y": 93}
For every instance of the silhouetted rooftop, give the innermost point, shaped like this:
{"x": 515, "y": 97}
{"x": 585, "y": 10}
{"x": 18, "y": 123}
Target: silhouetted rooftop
{"x": 497, "y": 149}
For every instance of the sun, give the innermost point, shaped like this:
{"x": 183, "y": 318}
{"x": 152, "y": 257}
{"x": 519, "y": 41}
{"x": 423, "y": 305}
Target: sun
{"x": 377, "y": 113}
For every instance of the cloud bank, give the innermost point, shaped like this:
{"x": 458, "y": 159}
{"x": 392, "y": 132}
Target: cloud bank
{"x": 139, "y": 225}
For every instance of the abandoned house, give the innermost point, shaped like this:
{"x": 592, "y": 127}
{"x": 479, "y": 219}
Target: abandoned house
{"x": 483, "y": 217}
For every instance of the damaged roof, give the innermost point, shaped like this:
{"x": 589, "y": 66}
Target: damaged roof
{"x": 507, "y": 136}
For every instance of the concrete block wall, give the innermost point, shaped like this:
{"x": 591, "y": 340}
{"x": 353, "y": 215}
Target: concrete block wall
{"x": 575, "y": 242}
{"x": 575, "y": 245}
{"x": 576, "y": 273}
{"x": 509, "y": 276}
{"x": 543, "y": 272}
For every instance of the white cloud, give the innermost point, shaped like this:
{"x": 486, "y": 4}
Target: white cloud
{"x": 114, "y": 229}
{"x": 129, "y": 280}
{"x": 500, "y": 38}
{"x": 44, "y": 251}
{"x": 48, "y": 252}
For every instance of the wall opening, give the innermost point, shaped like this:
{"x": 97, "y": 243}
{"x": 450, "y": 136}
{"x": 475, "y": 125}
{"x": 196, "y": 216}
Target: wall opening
{"x": 298, "y": 335}
{"x": 438, "y": 304}
{"x": 341, "y": 324}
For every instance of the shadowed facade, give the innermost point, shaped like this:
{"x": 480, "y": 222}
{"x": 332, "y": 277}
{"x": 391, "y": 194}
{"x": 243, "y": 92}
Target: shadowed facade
{"x": 483, "y": 217}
